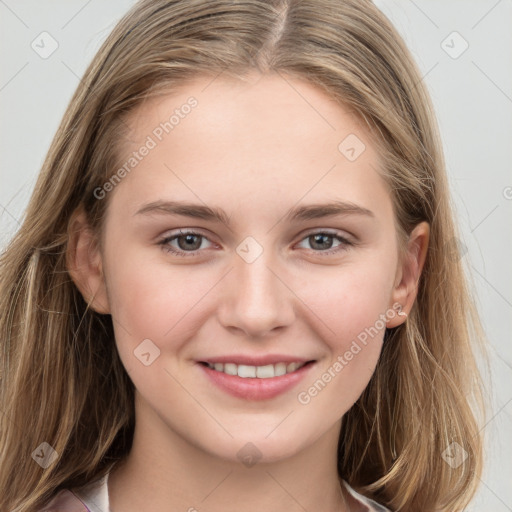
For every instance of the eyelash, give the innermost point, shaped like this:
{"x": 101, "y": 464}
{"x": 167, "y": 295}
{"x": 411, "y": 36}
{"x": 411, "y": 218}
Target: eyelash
{"x": 345, "y": 244}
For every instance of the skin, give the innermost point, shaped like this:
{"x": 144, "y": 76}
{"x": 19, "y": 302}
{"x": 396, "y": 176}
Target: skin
{"x": 255, "y": 149}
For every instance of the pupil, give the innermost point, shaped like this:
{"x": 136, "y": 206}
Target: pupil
{"x": 318, "y": 239}
{"x": 189, "y": 241}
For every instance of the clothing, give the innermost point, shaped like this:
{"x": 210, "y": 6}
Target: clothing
{"x": 94, "y": 498}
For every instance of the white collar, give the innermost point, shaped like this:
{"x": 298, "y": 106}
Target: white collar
{"x": 95, "y": 497}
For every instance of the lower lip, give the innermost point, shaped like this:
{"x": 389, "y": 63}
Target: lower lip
{"x": 254, "y": 388}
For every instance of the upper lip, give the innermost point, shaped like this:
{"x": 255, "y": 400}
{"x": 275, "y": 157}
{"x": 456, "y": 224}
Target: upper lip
{"x": 262, "y": 360}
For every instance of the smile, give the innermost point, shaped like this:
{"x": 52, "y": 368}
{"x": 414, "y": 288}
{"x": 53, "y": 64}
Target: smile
{"x": 250, "y": 382}
{"x": 259, "y": 372}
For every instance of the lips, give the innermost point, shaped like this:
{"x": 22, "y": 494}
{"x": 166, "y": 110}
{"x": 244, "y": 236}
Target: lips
{"x": 255, "y": 378}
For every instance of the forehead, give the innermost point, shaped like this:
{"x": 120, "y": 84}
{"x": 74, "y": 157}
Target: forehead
{"x": 271, "y": 105}
{"x": 222, "y": 136}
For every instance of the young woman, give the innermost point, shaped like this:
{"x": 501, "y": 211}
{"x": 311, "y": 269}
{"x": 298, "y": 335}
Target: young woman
{"x": 232, "y": 286}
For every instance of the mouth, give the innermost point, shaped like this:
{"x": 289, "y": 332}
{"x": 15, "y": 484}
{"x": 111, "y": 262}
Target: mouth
{"x": 267, "y": 371}
{"x": 255, "y": 382}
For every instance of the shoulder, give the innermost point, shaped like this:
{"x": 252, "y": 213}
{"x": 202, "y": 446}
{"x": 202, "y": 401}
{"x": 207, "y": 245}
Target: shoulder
{"x": 64, "y": 501}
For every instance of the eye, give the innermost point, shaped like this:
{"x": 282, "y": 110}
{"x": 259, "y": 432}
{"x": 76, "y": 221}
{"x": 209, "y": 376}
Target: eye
{"x": 188, "y": 243}
{"x": 322, "y": 242}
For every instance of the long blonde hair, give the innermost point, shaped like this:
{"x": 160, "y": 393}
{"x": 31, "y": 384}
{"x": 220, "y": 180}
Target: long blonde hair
{"x": 61, "y": 379}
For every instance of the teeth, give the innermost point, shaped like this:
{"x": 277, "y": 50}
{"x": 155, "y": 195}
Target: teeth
{"x": 280, "y": 369}
{"x": 246, "y": 371}
{"x": 229, "y": 368}
{"x": 265, "y": 372}
{"x": 261, "y": 372}
{"x": 292, "y": 367}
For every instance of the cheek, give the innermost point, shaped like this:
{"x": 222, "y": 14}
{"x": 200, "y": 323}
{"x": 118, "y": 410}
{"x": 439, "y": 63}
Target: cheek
{"x": 152, "y": 300}
{"x": 351, "y": 306}
{"x": 350, "y": 299}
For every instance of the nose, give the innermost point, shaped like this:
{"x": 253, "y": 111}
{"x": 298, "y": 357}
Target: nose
{"x": 256, "y": 299}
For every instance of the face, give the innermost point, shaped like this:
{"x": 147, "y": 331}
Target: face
{"x": 254, "y": 231}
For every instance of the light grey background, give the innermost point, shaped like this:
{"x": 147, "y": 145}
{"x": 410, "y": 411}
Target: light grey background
{"x": 472, "y": 95}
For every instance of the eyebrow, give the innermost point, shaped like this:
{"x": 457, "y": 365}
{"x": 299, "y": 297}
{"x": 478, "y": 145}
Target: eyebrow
{"x": 298, "y": 213}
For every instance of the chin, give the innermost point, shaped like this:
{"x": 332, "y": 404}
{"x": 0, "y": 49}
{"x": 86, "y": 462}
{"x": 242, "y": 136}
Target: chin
{"x": 255, "y": 447}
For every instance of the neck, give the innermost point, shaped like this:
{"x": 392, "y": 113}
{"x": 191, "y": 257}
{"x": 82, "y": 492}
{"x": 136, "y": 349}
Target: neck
{"x": 165, "y": 472}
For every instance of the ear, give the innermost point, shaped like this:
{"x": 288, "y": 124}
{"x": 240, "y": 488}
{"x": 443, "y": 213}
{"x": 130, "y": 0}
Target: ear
{"x": 84, "y": 262}
{"x": 408, "y": 274}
